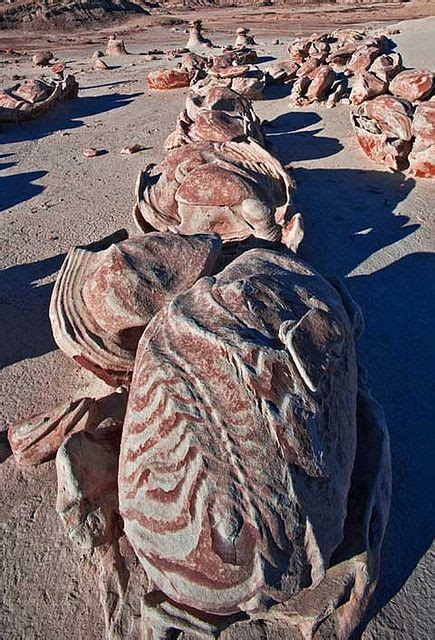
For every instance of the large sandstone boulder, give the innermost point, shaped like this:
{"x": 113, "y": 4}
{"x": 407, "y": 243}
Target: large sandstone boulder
{"x": 32, "y": 98}
{"x": 102, "y": 300}
{"x": 413, "y": 85}
{"x": 235, "y": 189}
{"x": 422, "y": 157}
{"x": 383, "y": 130}
{"x": 165, "y": 79}
{"x": 238, "y": 449}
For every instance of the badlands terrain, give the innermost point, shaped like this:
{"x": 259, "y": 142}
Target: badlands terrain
{"x": 363, "y": 223}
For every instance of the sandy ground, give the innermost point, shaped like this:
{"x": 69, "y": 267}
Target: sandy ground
{"x": 364, "y": 224}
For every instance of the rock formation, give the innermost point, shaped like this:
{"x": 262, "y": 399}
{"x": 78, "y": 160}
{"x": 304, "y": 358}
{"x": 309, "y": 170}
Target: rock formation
{"x": 383, "y": 130}
{"x": 251, "y": 466}
{"x": 32, "y": 98}
{"x": 103, "y": 300}
{"x": 196, "y": 39}
{"x": 422, "y": 157}
{"x": 235, "y": 189}
{"x": 115, "y": 47}
{"x": 243, "y": 39}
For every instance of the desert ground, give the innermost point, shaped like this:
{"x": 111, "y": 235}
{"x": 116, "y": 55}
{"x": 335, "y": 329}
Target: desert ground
{"x": 371, "y": 227}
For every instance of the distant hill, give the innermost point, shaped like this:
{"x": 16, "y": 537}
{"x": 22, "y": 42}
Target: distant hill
{"x": 64, "y": 13}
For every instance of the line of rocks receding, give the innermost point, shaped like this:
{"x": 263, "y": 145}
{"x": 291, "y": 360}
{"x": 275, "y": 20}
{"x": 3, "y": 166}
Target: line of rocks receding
{"x": 236, "y": 481}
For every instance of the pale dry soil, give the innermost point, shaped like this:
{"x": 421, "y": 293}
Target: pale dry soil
{"x": 362, "y": 223}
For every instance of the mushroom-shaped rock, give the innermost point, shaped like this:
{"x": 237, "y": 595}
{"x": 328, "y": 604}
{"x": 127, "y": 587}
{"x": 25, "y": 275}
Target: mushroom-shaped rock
{"x": 196, "y": 39}
{"x": 240, "y": 436}
{"x": 366, "y": 86}
{"x": 413, "y": 85}
{"x": 164, "y": 79}
{"x": 115, "y": 46}
{"x": 243, "y": 39}
{"x": 422, "y": 156}
{"x": 235, "y": 189}
{"x": 383, "y": 130}
{"x": 102, "y": 300}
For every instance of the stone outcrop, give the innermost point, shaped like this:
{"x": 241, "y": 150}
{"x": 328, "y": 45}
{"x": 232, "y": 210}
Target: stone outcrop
{"x": 164, "y": 79}
{"x": 383, "y": 130}
{"x": 87, "y": 498}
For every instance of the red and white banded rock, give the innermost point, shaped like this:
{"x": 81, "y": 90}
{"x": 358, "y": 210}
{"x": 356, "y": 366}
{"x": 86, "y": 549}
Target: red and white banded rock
{"x": 362, "y": 59}
{"x": 102, "y": 300}
{"x": 165, "y": 79}
{"x": 38, "y": 438}
{"x": 413, "y": 84}
{"x": 307, "y": 67}
{"x": 383, "y": 130}
{"x": 240, "y": 434}
{"x": 213, "y": 126}
{"x": 235, "y": 189}
{"x": 422, "y": 157}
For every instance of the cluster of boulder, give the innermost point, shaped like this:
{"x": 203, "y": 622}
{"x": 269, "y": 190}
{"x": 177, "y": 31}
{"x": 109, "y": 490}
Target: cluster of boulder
{"x": 393, "y": 111}
{"x": 397, "y": 129}
{"x": 234, "y": 67}
{"x": 235, "y": 481}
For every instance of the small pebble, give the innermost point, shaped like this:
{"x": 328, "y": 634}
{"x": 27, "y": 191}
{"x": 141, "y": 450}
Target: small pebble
{"x": 131, "y": 148}
{"x": 91, "y": 152}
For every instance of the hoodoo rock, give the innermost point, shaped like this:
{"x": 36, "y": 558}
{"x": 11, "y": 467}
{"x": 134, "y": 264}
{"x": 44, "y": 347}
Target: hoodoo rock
{"x": 243, "y": 39}
{"x": 102, "y": 300}
{"x": 239, "y": 442}
{"x": 413, "y": 85}
{"x": 235, "y": 189}
{"x": 196, "y": 39}
{"x": 115, "y": 47}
